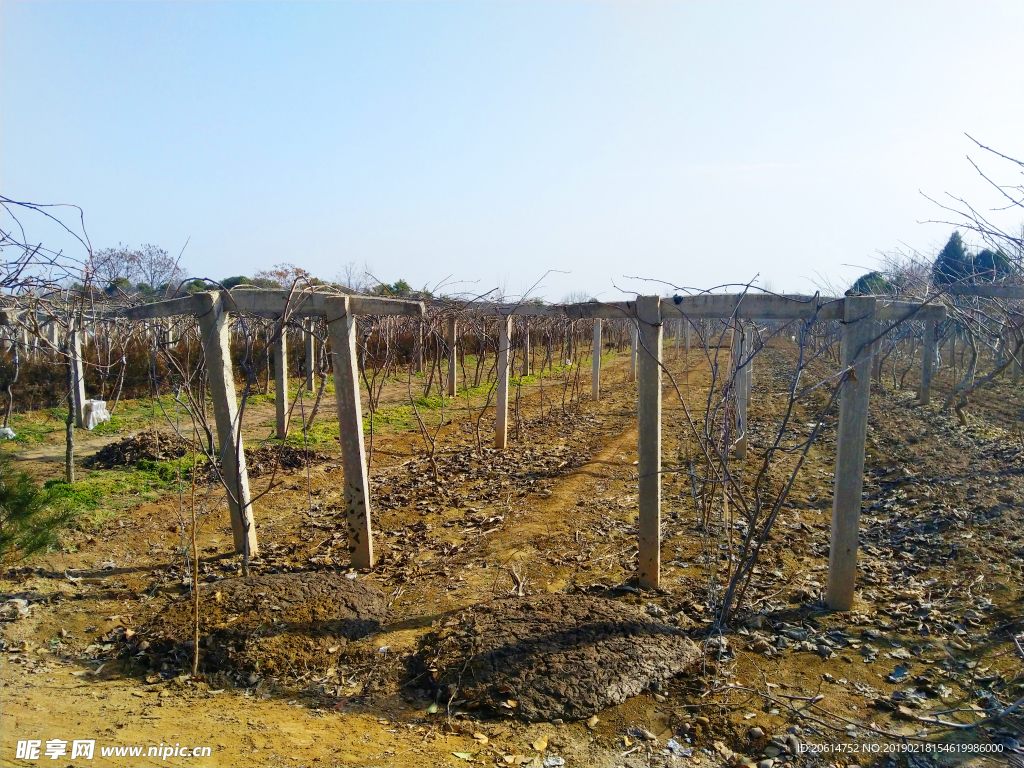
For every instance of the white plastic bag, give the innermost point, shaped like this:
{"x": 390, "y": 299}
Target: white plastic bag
{"x": 94, "y": 413}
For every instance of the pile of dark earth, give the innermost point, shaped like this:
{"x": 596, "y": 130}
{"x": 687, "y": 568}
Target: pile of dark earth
{"x": 263, "y": 460}
{"x": 150, "y": 445}
{"x": 156, "y": 445}
{"x": 546, "y": 657}
{"x": 263, "y": 626}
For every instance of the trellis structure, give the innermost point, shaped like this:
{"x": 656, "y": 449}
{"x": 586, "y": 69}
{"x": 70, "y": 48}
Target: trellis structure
{"x": 213, "y": 310}
{"x": 863, "y": 320}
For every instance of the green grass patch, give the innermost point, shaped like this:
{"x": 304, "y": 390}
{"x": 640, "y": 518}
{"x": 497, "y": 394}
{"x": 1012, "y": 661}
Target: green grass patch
{"x": 396, "y": 418}
{"x": 323, "y": 431}
{"x": 32, "y": 429}
{"x": 101, "y": 494}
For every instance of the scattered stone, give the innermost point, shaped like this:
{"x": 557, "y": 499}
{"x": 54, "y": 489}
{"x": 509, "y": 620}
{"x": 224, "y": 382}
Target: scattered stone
{"x": 754, "y": 621}
{"x": 16, "y": 607}
{"x": 755, "y": 734}
{"x": 678, "y": 749}
{"x": 898, "y": 675}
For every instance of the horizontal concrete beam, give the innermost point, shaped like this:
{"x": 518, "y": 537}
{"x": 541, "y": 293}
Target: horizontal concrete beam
{"x": 895, "y": 311}
{"x": 12, "y": 316}
{"x": 308, "y": 303}
{"x": 590, "y": 310}
{"x": 989, "y": 291}
{"x": 187, "y": 305}
{"x": 752, "y": 306}
{"x": 274, "y": 303}
{"x": 771, "y": 307}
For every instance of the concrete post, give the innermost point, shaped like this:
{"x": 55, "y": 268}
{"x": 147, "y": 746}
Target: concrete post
{"x": 1015, "y": 367}
{"x": 748, "y": 354}
{"x": 741, "y": 384}
{"x": 78, "y": 374}
{"x": 452, "y": 355}
{"x": 858, "y": 330}
{"x": 310, "y": 354}
{"x": 526, "y": 348}
{"x": 686, "y": 337}
{"x": 632, "y": 351}
{"x": 501, "y": 416}
{"x": 350, "y": 425}
{"x": 281, "y": 379}
{"x": 876, "y": 360}
{"x": 419, "y": 346}
{"x": 215, "y": 330}
{"x": 678, "y": 333}
{"x": 927, "y": 362}
{"x": 648, "y": 310}
{"x": 595, "y": 379}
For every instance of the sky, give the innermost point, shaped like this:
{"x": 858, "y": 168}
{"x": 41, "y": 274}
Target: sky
{"x": 563, "y": 148}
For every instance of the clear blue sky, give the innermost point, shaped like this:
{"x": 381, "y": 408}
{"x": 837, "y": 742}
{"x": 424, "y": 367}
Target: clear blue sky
{"x": 695, "y": 143}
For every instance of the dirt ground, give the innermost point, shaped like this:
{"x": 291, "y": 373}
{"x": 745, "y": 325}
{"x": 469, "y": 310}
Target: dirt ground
{"x": 938, "y": 602}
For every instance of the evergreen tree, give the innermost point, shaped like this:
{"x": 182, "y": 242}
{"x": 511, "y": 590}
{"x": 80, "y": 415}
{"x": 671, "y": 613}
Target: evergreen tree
{"x": 954, "y": 264}
{"x": 873, "y": 283}
{"x": 31, "y": 518}
{"x": 990, "y": 266}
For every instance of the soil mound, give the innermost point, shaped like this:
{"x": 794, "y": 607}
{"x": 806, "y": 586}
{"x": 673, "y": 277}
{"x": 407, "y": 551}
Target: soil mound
{"x": 261, "y": 461}
{"x": 567, "y": 656}
{"x": 156, "y": 445}
{"x": 272, "y": 625}
{"x": 151, "y": 445}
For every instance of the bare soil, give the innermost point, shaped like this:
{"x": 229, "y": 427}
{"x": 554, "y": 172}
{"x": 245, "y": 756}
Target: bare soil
{"x": 939, "y": 591}
{"x": 553, "y": 656}
{"x": 270, "y": 624}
